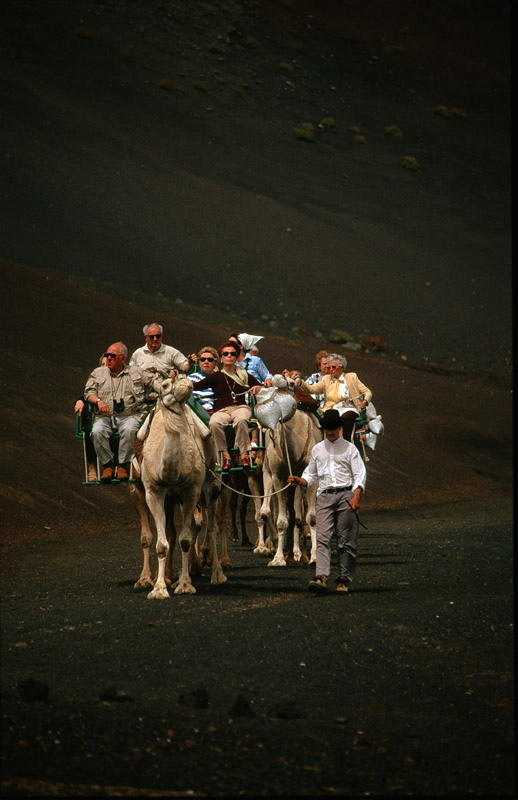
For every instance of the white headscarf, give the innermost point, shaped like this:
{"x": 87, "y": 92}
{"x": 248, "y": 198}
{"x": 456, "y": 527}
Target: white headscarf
{"x": 248, "y": 339}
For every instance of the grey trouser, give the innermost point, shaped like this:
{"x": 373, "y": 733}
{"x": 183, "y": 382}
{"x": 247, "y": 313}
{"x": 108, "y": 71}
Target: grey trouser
{"x": 238, "y": 416}
{"x": 103, "y": 428}
{"x": 333, "y": 514}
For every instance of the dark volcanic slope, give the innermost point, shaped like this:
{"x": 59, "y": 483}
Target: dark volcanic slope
{"x": 447, "y": 438}
{"x": 152, "y": 145}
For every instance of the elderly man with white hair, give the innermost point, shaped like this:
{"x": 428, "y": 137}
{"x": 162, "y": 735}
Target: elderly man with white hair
{"x": 157, "y": 356}
{"x": 342, "y": 390}
{"x": 116, "y": 392}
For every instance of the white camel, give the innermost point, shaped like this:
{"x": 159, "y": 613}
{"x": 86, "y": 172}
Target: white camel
{"x": 175, "y": 469}
{"x": 288, "y": 450}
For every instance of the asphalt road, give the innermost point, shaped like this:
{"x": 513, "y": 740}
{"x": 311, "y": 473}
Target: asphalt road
{"x": 258, "y": 687}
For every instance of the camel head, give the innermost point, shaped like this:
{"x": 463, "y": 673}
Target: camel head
{"x": 178, "y": 391}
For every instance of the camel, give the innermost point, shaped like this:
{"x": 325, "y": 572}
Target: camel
{"x": 288, "y": 449}
{"x": 175, "y": 466}
{"x": 246, "y": 483}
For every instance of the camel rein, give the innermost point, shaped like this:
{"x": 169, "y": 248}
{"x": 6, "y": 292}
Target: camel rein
{"x": 217, "y": 477}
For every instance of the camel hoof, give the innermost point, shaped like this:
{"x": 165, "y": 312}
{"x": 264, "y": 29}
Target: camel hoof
{"x": 278, "y": 561}
{"x": 219, "y": 577}
{"x": 233, "y": 537}
{"x": 185, "y": 588}
{"x": 262, "y": 550}
{"x": 158, "y": 594}
{"x": 143, "y": 583}
{"x": 226, "y": 563}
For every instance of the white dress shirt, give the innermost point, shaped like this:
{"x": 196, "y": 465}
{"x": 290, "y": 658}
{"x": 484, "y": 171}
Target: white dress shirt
{"x": 335, "y": 464}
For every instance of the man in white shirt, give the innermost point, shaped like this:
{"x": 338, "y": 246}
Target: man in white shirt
{"x": 337, "y": 465}
{"x": 157, "y": 356}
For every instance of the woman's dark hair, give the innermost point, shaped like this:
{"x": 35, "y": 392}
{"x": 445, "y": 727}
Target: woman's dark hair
{"x": 229, "y": 345}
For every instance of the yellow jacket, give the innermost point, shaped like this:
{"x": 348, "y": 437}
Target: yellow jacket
{"x": 330, "y": 388}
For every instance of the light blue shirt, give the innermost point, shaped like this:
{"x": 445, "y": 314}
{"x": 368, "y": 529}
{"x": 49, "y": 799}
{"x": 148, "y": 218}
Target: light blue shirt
{"x": 256, "y": 367}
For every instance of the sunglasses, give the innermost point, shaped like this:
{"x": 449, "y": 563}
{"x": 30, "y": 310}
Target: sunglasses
{"x": 229, "y": 353}
{"x": 154, "y": 335}
{"x": 111, "y": 355}
{"x": 207, "y": 358}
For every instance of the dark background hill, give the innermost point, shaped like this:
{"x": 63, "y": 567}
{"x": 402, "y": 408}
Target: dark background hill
{"x": 150, "y": 145}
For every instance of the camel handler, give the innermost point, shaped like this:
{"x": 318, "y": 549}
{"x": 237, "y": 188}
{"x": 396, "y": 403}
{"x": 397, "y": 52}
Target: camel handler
{"x": 117, "y": 393}
{"x": 337, "y": 465}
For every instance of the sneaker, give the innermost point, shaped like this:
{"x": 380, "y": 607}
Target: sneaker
{"x": 92, "y": 473}
{"x": 319, "y": 585}
{"x": 343, "y": 585}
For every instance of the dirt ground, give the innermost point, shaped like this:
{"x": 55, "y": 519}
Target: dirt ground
{"x": 126, "y": 200}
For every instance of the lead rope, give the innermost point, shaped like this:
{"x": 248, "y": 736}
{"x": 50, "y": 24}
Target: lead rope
{"x": 216, "y": 476}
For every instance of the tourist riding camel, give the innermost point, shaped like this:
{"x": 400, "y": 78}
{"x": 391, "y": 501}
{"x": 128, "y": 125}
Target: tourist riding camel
{"x": 249, "y": 357}
{"x": 207, "y": 358}
{"x": 117, "y": 394}
{"x": 156, "y": 355}
{"x": 342, "y": 390}
{"x": 230, "y": 384}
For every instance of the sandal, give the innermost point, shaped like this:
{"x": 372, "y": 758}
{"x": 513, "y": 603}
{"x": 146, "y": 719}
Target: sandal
{"x": 343, "y": 585}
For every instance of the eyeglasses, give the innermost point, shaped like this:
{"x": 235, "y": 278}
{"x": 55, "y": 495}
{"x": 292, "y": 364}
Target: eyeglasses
{"x": 229, "y": 353}
{"x": 336, "y": 366}
{"x": 111, "y": 355}
{"x": 207, "y": 358}
{"x": 154, "y": 335}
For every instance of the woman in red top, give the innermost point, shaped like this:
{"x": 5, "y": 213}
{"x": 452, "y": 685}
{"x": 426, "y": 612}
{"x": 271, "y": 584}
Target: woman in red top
{"x": 230, "y": 386}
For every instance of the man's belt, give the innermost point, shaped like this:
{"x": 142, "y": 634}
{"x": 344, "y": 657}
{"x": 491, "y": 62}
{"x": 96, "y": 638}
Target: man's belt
{"x": 334, "y": 489}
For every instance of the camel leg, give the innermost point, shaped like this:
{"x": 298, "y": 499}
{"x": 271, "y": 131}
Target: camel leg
{"x": 234, "y": 535}
{"x": 169, "y": 506}
{"x": 197, "y": 554}
{"x": 282, "y": 524}
{"x": 185, "y": 538}
{"x": 155, "y": 500}
{"x": 222, "y": 505}
{"x": 296, "y": 516}
{"x": 245, "y": 541}
{"x": 217, "y": 575}
{"x": 265, "y": 518}
{"x": 138, "y": 499}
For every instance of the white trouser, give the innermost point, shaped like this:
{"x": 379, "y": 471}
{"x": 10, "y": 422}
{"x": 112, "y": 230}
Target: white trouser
{"x": 104, "y": 427}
